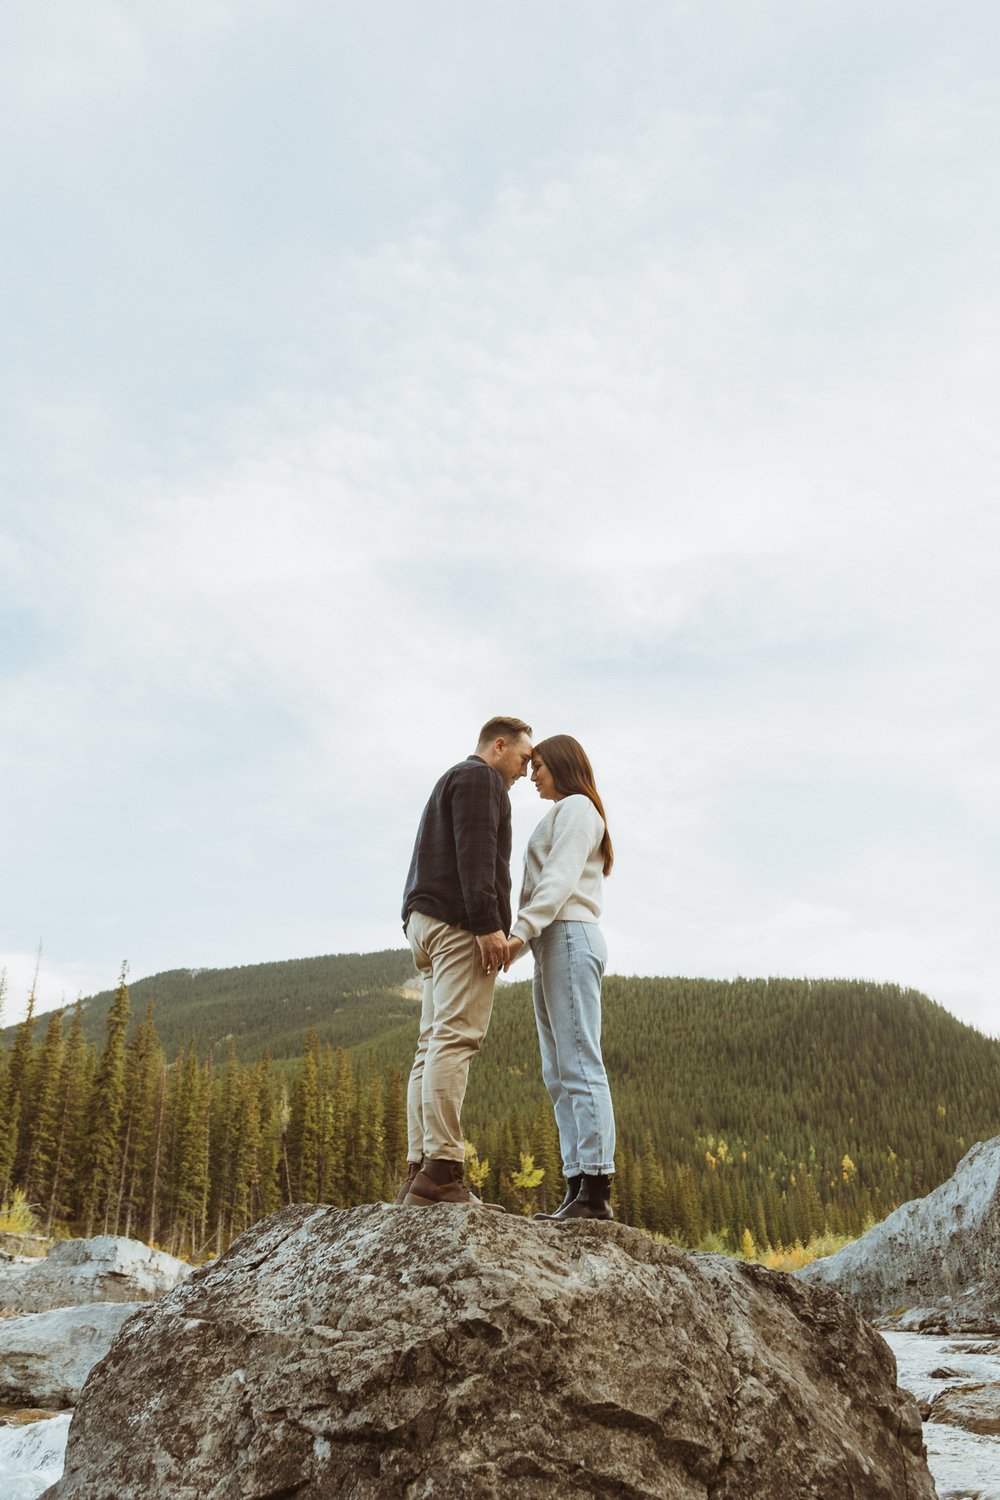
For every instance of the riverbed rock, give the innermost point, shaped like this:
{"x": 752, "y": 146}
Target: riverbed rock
{"x": 382, "y": 1352}
{"x": 976, "y": 1408}
{"x": 106, "y": 1268}
{"x": 46, "y": 1357}
{"x": 934, "y": 1264}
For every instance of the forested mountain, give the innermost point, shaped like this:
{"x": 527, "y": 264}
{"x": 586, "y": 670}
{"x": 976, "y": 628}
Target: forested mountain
{"x": 764, "y": 1111}
{"x": 268, "y": 1008}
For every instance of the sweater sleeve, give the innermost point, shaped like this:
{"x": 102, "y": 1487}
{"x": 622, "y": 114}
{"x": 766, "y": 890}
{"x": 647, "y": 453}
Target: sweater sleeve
{"x": 476, "y": 810}
{"x": 578, "y": 828}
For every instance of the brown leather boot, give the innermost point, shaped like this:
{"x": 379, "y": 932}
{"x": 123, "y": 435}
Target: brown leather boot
{"x": 412, "y": 1168}
{"x": 441, "y": 1181}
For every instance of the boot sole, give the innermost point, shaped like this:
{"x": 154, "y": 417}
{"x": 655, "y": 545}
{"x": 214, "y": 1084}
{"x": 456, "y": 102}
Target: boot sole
{"x": 414, "y": 1200}
{"x": 584, "y": 1219}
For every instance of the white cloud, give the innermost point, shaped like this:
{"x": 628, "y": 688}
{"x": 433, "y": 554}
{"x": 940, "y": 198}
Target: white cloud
{"x": 651, "y": 400}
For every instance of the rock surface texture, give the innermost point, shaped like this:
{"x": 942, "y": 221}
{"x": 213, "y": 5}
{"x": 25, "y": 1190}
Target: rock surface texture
{"x": 380, "y": 1351}
{"x": 933, "y": 1264}
{"x": 46, "y": 1357}
{"x": 107, "y": 1268}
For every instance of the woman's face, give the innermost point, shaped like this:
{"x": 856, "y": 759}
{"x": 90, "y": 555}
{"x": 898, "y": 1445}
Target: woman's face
{"x": 542, "y": 781}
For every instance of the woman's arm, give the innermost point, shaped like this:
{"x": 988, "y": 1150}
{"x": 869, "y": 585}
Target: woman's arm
{"x": 578, "y": 829}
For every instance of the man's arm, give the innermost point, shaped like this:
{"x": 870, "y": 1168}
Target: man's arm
{"x": 476, "y": 810}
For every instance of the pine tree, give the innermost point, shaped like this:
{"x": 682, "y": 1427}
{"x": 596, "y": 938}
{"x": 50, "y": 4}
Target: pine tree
{"x": 72, "y": 1092}
{"x": 653, "y": 1189}
{"x": 144, "y": 1063}
{"x": 545, "y": 1138}
{"x": 265, "y": 1184}
{"x": 246, "y": 1172}
{"x": 159, "y": 1139}
{"x": 365, "y": 1168}
{"x": 303, "y": 1135}
{"x": 9, "y": 1122}
{"x": 228, "y": 1125}
{"x": 101, "y": 1145}
{"x": 186, "y": 1188}
{"x": 35, "y": 1171}
{"x": 343, "y": 1105}
{"x": 15, "y": 1106}
{"x": 395, "y": 1125}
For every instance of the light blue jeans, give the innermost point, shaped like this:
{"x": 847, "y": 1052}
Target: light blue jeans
{"x": 570, "y": 958}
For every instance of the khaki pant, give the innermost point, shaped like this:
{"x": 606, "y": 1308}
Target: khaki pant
{"x": 454, "y": 1016}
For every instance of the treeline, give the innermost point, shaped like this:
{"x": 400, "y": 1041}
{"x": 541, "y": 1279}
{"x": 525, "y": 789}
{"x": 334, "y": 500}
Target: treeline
{"x": 754, "y": 1114}
{"x": 268, "y": 1009}
{"x": 184, "y": 1154}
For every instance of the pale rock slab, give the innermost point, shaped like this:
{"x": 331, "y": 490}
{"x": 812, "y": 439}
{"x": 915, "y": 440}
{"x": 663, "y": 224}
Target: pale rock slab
{"x": 46, "y": 1357}
{"x": 107, "y": 1268}
{"x": 937, "y": 1256}
{"x": 382, "y": 1352}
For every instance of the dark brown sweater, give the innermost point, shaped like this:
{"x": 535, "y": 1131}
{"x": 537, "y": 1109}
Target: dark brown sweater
{"x": 460, "y": 870}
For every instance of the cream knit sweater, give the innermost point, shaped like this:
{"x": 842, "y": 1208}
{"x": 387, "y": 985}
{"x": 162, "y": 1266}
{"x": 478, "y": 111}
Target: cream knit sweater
{"x": 563, "y": 868}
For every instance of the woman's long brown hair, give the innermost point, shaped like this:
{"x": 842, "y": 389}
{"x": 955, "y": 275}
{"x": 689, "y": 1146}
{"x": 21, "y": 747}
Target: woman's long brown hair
{"x": 572, "y": 772}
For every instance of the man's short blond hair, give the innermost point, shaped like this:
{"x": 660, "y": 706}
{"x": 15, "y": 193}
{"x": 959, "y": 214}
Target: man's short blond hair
{"x": 502, "y": 727}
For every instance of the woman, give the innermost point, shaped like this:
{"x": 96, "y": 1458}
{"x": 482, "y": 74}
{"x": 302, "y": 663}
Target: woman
{"x": 567, "y": 857}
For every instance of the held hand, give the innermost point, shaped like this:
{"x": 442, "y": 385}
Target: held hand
{"x": 515, "y": 947}
{"x": 493, "y": 951}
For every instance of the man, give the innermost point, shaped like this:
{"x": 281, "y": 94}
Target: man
{"x": 456, "y": 916}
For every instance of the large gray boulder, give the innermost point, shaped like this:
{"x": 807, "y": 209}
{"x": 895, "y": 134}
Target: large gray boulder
{"x": 46, "y": 1357}
{"x": 381, "y": 1351}
{"x": 933, "y": 1264}
{"x": 107, "y": 1268}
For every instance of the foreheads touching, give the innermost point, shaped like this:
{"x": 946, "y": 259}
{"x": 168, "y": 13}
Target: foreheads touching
{"x": 505, "y": 743}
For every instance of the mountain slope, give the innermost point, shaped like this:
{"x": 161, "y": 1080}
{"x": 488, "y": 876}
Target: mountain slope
{"x": 348, "y": 998}
{"x": 797, "y": 1073}
{"x": 765, "y": 1110}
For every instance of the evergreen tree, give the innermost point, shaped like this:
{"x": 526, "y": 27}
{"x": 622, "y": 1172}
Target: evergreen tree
{"x": 395, "y": 1125}
{"x": 74, "y": 1078}
{"x": 144, "y": 1064}
{"x": 158, "y": 1154}
{"x": 34, "y": 1171}
{"x": 342, "y": 1109}
{"x": 101, "y": 1147}
{"x": 16, "y": 1108}
{"x": 186, "y": 1185}
{"x": 545, "y": 1138}
{"x": 228, "y": 1124}
{"x": 304, "y": 1128}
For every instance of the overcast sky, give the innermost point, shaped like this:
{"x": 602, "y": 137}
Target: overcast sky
{"x": 370, "y": 370}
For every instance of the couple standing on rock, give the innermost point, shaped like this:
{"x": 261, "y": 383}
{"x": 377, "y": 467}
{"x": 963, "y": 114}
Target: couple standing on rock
{"x": 457, "y": 918}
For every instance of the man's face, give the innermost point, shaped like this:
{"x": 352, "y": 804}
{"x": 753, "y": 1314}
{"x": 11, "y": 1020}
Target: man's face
{"x": 513, "y": 759}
